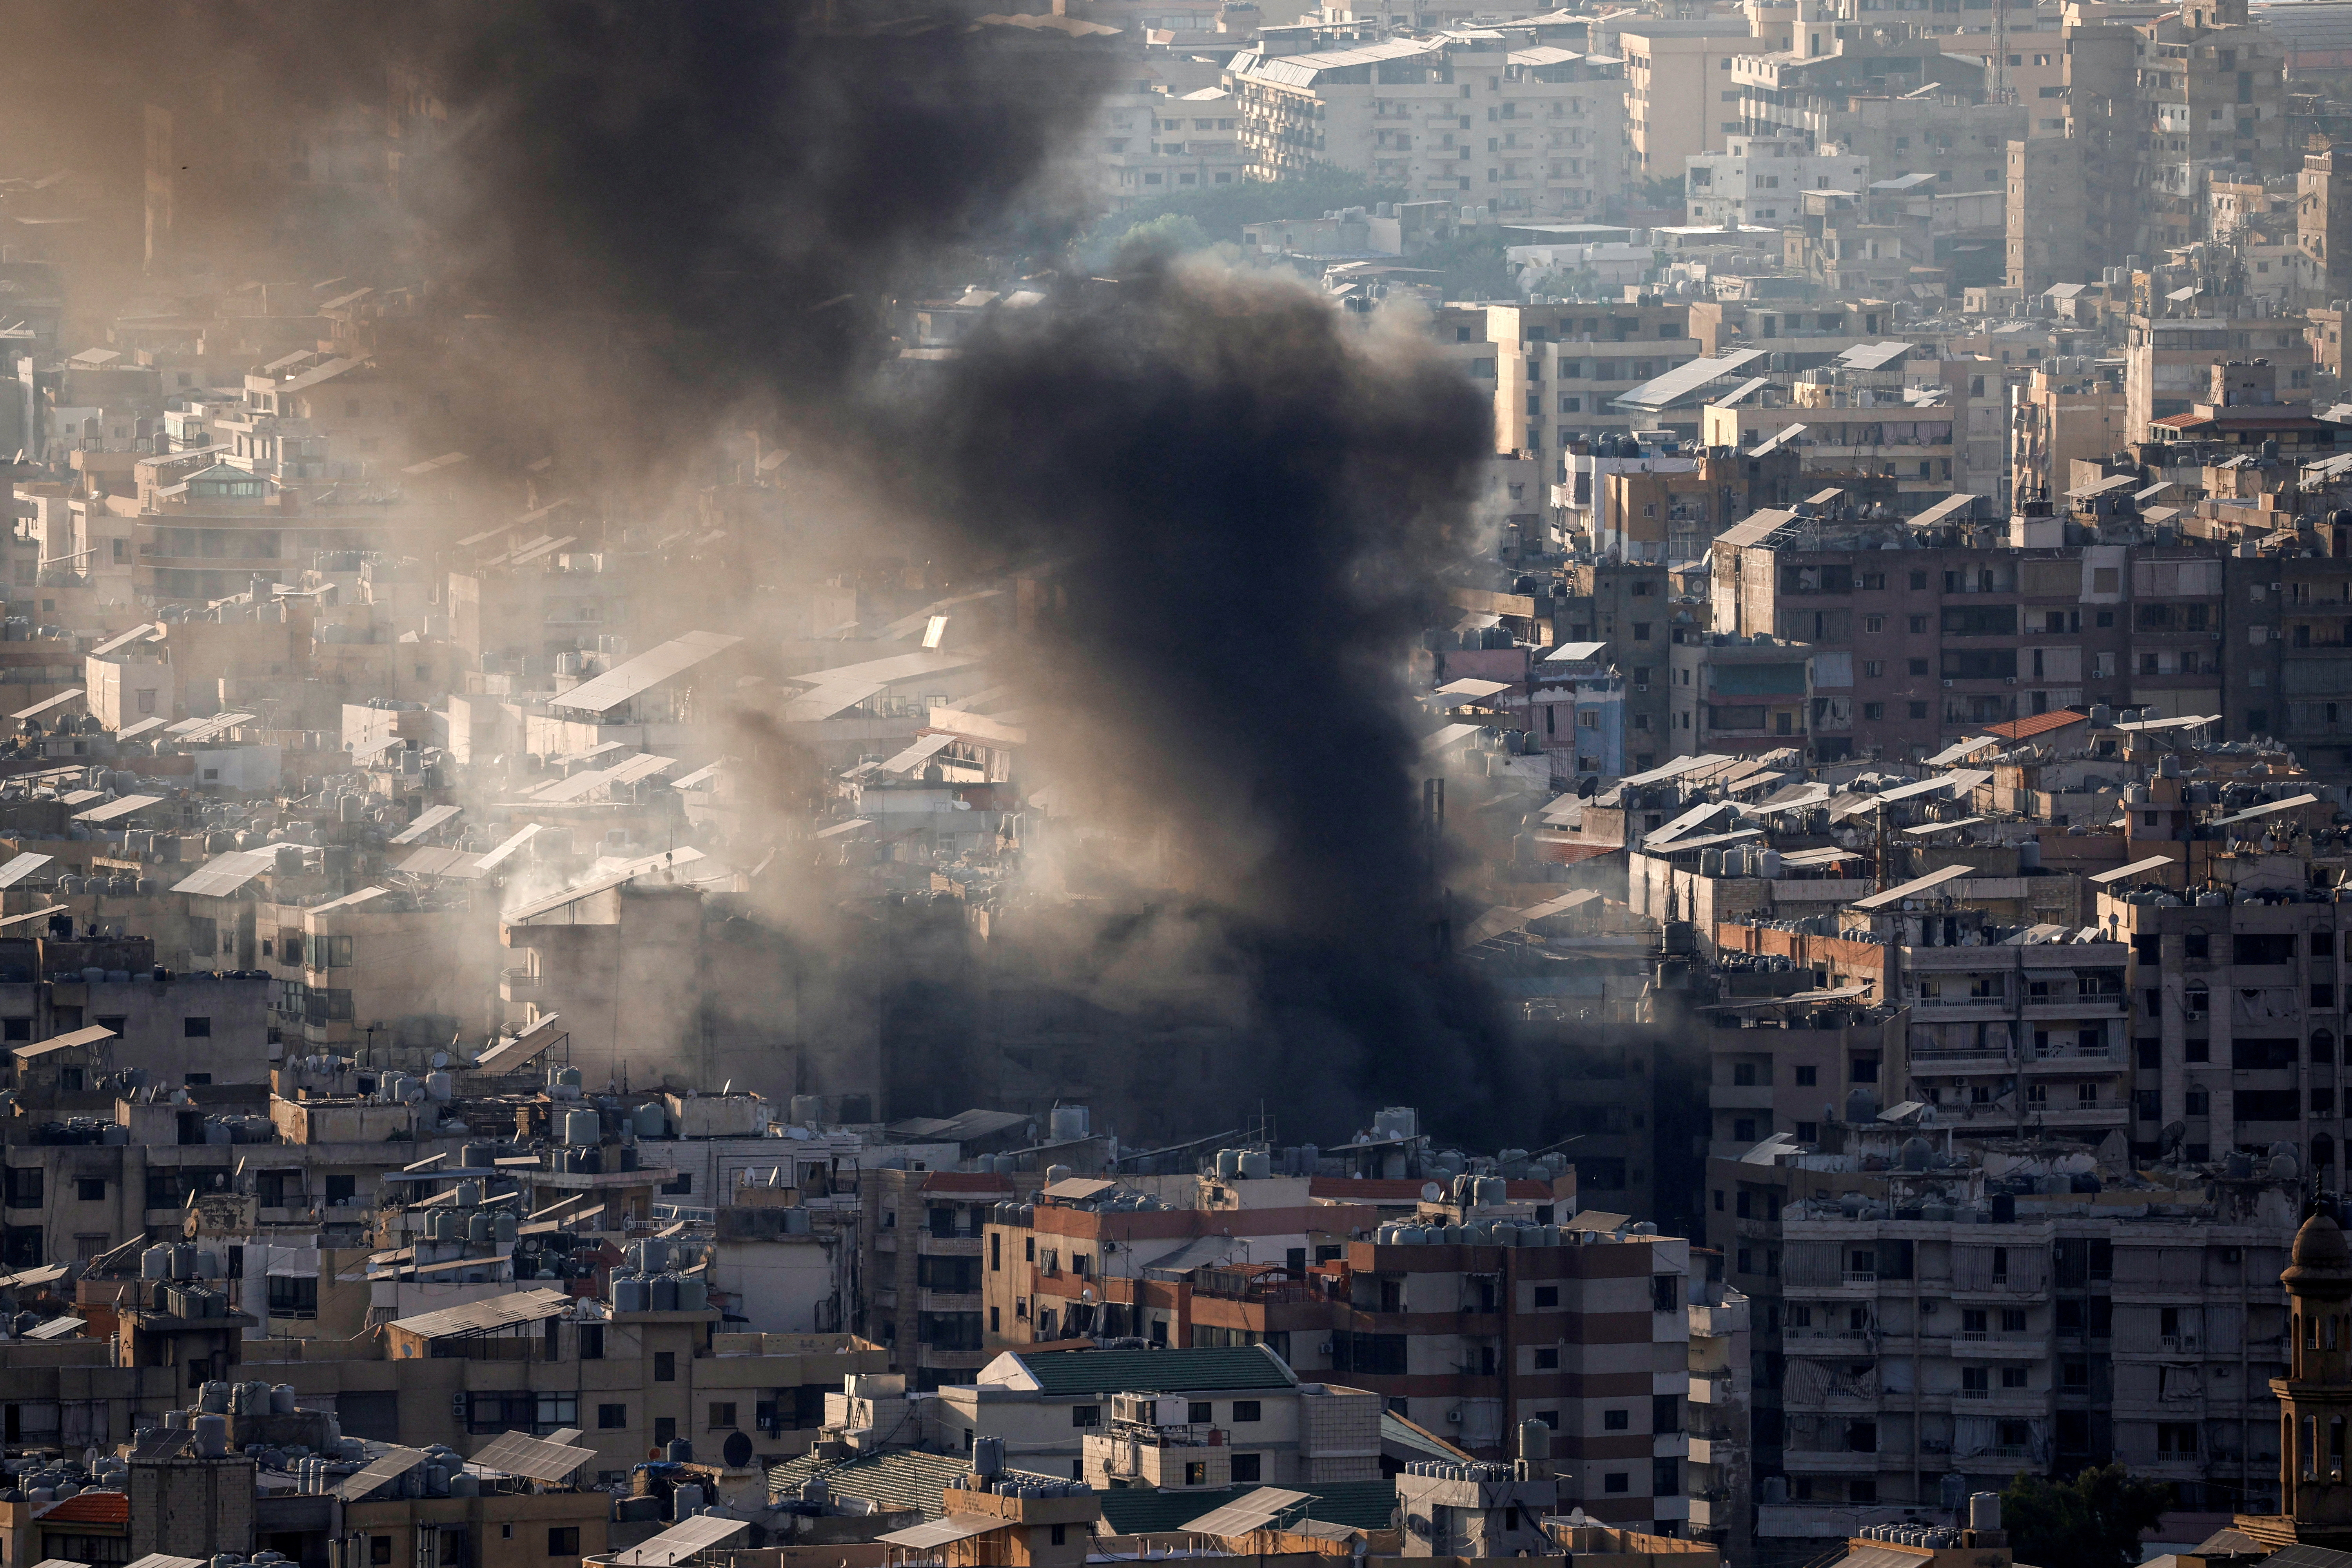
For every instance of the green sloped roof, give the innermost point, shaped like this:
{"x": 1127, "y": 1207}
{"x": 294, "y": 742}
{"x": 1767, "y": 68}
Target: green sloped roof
{"x": 1139, "y": 1511}
{"x": 895, "y": 1479}
{"x": 1156, "y": 1371}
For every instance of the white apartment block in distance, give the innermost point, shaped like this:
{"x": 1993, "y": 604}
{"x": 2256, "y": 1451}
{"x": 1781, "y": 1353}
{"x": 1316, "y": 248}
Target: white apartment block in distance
{"x": 1150, "y": 143}
{"x": 1532, "y": 132}
{"x": 1759, "y": 179}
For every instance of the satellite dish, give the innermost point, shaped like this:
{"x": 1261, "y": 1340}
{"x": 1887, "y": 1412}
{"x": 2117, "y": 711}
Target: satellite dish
{"x": 440, "y": 1058}
{"x": 736, "y": 1451}
{"x": 1431, "y": 1192}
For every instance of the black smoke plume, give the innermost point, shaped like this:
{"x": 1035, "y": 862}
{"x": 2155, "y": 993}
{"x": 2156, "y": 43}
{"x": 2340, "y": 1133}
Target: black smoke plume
{"x": 1242, "y": 499}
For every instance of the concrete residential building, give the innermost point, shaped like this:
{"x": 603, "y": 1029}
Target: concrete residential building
{"x": 1681, "y": 94}
{"x": 1758, "y": 180}
{"x": 1942, "y": 1317}
{"x": 1461, "y": 118}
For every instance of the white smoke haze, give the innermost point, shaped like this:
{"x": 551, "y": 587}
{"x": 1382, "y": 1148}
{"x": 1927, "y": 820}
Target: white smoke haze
{"x": 648, "y": 230}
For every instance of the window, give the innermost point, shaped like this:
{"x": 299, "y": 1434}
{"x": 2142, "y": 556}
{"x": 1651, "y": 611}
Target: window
{"x": 293, "y": 1298}
{"x": 1807, "y": 1078}
{"x": 90, "y": 1189}
{"x": 1547, "y": 1361}
{"x": 1547, "y": 1295}
{"x": 196, "y": 1028}
{"x": 592, "y": 1341}
{"x": 1085, "y": 1414}
{"x": 1616, "y": 1420}
{"x": 722, "y": 1417}
{"x": 379, "y": 1550}
{"x": 611, "y": 1417}
{"x": 1615, "y": 1481}
{"x": 564, "y": 1541}
{"x": 1200, "y": 1412}
{"x": 1245, "y": 1410}
{"x": 1246, "y": 1467}
{"x": 665, "y": 1366}
{"x": 664, "y": 1430}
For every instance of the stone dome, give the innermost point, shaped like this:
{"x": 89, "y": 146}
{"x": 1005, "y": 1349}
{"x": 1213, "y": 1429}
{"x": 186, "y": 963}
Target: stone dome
{"x": 2320, "y": 1244}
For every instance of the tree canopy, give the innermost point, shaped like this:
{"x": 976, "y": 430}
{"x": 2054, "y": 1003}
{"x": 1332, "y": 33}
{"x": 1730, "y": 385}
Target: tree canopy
{"x": 2094, "y": 1521}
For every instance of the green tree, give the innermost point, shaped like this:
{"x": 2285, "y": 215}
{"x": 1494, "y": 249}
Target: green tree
{"x": 1473, "y": 263}
{"x": 1169, "y": 236}
{"x": 2094, "y": 1521}
{"x": 1222, "y": 210}
{"x": 1664, "y": 190}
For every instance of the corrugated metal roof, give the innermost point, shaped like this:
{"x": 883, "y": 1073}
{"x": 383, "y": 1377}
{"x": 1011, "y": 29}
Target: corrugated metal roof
{"x": 22, "y": 866}
{"x": 1357, "y": 1505}
{"x": 518, "y": 1454}
{"x": 1251, "y": 1512}
{"x": 1686, "y": 381}
{"x": 384, "y": 1468}
{"x": 481, "y": 1317}
{"x": 941, "y": 1531}
{"x": 1153, "y": 1370}
{"x": 1915, "y": 887}
{"x": 37, "y": 709}
{"x": 427, "y": 821}
{"x": 641, "y": 674}
{"x": 116, "y": 810}
{"x": 224, "y": 874}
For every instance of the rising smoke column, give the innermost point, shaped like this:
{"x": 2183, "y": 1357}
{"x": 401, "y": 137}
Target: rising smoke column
{"x": 1247, "y": 498}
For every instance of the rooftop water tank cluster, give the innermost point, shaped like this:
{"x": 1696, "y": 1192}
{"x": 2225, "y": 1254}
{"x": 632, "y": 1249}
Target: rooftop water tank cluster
{"x": 1938, "y": 1537}
{"x": 1022, "y": 1485}
{"x": 253, "y": 1398}
{"x": 662, "y": 1292}
{"x": 41, "y": 1481}
{"x": 1441, "y": 1469}
{"x": 1491, "y": 1233}
{"x": 1244, "y": 1164}
{"x": 179, "y": 1260}
{"x": 563, "y": 1083}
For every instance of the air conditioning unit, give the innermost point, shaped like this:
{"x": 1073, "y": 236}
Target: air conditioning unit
{"x": 2009, "y": 681}
{"x": 1947, "y": 685}
{"x": 1454, "y": 1417}
{"x": 1324, "y": 1349}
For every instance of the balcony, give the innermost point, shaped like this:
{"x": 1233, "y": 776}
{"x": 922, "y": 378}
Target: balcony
{"x": 2074, "y": 1056}
{"x": 930, "y": 1245}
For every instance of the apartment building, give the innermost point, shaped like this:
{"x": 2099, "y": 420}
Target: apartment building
{"x": 1229, "y": 1265}
{"x": 2169, "y": 362}
{"x": 1759, "y": 181}
{"x": 1798, "y": 336}
{"x": 2284, "y": 675}
{"x": 1681, "y": 96}
{"x": 2323, "y": 216}
{"x": 1955, "y": 631}
{"x": 921, "y": 1278}
{"x": 1153, "y": 141}
{"x": 1167, "y": 1419}
{"x": 1590, "y": 1337}
{"x": 2066, "y": 411}
{"x": 1923, "y": 1313}
{"x": 2236, "y": 1013}
{"x": 1560, "y": 369}
{"x": 1460, "y": 118}
{"x": 1719, "y": 1420}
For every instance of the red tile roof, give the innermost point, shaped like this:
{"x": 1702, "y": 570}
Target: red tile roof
{"x": 2037, "y": 723}
{"x": 90, "y": 1508}
{"x": 966, "y": 1182}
